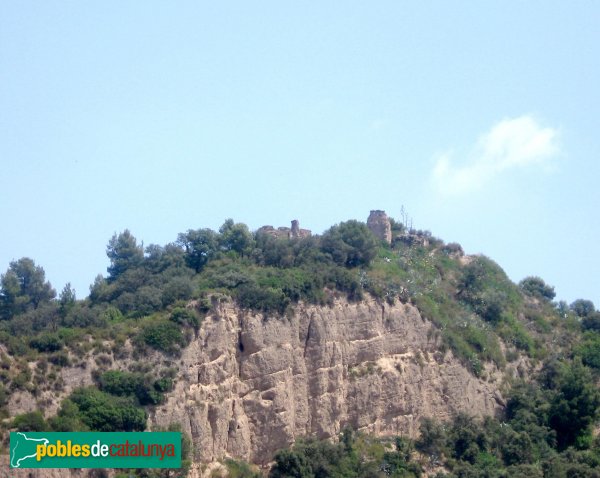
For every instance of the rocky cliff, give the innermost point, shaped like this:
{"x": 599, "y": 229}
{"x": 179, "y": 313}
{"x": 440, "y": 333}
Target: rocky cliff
{"x": 249, "y": 385}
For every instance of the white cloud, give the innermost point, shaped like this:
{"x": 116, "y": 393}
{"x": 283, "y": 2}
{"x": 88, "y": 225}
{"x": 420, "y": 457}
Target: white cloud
{"x": 508, "y": 145}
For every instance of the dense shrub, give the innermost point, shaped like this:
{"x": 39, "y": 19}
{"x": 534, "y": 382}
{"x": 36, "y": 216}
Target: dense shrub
{"x": 112, "y": 314}
{"x": 68, "y": 418}
{"x": 103, "y": 412}
{"x": 61, "y": 359}
{"x": 241, "y": 469}
{"x": 265, "y": 299}
{"x": 350, "y": 243}
{"x": 482, "y": 280}
{"x": 81, "y": 315}
{"x": 432, "y": 439}
{"x": 536, "y": 287}
{"x": 125, "y": 302}
{"x": 185, "y": 317}
{"x": 575, "y": 405}
{"x": 589, "y": 350}
{"x": 46, "y": 342}
{"x": 591, "y": 322}
{"x": 583, "y": 308}
{"x": 178, "y": 288}
{"x": 353, "y": 456}
{"x": 163, "y": 335}
{"x": 30, "y": 422}
{"x": 22, "y": 380}
{"x": 453, "y": 248}
{"x": 143, "y": 387}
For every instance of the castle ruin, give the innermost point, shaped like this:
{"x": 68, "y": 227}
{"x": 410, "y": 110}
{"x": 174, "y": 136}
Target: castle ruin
{"x": 295, "y": 232}
{"x": 380, "y": 225}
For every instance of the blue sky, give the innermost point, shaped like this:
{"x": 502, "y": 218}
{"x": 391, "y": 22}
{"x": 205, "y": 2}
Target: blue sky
{"x": 480, "y": 118}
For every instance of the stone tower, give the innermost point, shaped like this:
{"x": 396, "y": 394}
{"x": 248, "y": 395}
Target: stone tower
{"x": 380, "y": 226}
{"x": 296, "y": 232}
{"x": 295, "y": 228}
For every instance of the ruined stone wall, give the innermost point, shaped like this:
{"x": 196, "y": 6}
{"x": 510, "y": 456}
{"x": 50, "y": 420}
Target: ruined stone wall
{"x": 295, "y": 232}
{"x": 380, "y": 226}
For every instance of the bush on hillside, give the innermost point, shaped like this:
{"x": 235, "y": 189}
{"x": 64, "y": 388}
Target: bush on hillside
{"x": 164, "y": 336}
{"x": 536, "y": 287}
{"x": 103, "y": 412}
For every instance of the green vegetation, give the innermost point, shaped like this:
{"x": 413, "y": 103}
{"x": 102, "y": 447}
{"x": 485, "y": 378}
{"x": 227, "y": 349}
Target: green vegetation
{"x": 350, "y": 244}
{"x": 546, "y": 431}
{"x": 153, "y": 300}
{"x": 30, "y": 422}
{"x": 143, "y": 387}
{"x": 536, "y": 287}
{"x": 353, "y": 456}
{"x": 472, "y": 302}
{"x": 88, "y": 409}
{"x": 241, "y": 469}
{"x": 24, "y": 289}
{"x": 163, "y": 335}
{"x": 104, "y": 412}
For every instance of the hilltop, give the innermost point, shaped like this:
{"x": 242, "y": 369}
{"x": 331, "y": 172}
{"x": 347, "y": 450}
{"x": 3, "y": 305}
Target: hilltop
{"x": 248, "y": 341}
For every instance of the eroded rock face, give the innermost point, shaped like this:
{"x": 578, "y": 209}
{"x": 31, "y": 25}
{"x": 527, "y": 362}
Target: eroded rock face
{"x": 249, "y": 385}
{"x": 380, "y": 226}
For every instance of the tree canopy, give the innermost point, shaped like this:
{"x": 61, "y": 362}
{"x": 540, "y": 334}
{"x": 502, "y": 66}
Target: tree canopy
{"x": 200, "y": 246}
{"x": 350, "y": 243}
{"x": 124, "y": 253}
{"x": 536, "y": 287}
{"x": 23, "y": 287}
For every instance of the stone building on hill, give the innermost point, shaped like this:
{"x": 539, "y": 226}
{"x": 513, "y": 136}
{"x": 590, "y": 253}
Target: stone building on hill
{"x": 380, "y": 225}
{"x": 285, "y": 232}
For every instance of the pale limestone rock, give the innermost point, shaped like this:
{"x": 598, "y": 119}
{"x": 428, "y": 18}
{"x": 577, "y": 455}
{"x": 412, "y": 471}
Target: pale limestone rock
{"x": 250, "y": 385}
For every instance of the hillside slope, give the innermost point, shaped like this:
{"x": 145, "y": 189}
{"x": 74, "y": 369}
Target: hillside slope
{"x": 247, "y": 341}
